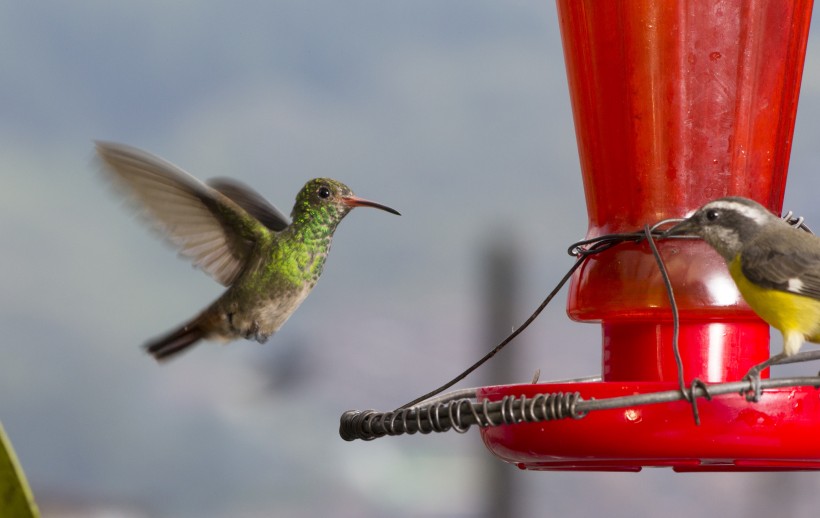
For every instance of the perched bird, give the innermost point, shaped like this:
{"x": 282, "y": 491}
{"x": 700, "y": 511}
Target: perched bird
{"x": 268, "y": 263}
{"x": 776, "y": 268}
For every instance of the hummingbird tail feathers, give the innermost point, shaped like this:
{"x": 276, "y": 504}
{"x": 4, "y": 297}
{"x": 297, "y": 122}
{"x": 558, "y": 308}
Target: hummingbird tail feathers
{"x": 177, "y": 341}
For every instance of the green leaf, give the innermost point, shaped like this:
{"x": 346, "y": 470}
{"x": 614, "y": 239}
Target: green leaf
{"x": 16, "y": 498}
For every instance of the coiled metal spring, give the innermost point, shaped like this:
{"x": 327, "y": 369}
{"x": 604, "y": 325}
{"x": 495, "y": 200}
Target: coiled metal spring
{"x": 459, "y": 415}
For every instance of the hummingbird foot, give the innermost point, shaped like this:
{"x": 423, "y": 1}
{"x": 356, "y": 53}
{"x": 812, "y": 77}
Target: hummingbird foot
{"x": 255, "y": 332}
{"x": 248, "y": 330}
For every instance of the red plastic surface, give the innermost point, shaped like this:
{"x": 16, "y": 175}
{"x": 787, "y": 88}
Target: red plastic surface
{"x": 676, "y": 102}
{"x": 778, "y": 433}
{"x": 710, "y": 351}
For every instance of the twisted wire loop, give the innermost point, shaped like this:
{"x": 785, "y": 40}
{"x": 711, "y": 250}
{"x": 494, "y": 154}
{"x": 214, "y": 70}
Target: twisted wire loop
{"x": 596, "y": 245}
{"x": 429, "y": 413}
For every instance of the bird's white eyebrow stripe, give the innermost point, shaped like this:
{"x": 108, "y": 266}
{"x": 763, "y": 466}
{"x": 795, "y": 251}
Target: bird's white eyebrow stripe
{"x": 752, "y": 213}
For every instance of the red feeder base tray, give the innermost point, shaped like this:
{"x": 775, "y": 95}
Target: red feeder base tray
{"x": 778, "y": 433}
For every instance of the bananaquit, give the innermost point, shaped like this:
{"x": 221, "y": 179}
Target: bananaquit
{"x": 776, "y": 268}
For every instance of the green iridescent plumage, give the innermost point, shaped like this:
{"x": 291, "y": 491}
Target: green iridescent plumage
{"x": 268, "y": 263}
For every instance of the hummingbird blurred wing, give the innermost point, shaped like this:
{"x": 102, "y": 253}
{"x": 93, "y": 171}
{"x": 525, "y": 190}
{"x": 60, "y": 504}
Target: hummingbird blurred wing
{"x": 781, "y": 262}
{"x": 209, "y": 228}
{"x": 252, "y": 202}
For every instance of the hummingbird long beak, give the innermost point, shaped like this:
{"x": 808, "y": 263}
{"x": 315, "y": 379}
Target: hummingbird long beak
{"x": 355, "y": 201}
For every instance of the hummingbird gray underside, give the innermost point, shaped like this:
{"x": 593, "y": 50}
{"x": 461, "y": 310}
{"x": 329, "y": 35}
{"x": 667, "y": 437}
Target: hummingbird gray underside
{"x": 268, "y": 262}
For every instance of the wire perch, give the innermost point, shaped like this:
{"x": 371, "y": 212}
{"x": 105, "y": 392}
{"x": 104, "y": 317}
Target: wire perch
{"x": 463, "y": 413}
{"x": 459, "y": 410}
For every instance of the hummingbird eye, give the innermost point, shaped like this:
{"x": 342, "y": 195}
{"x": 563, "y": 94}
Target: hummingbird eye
{"x": 712, "y": 215}
{"x": 323, "y": 192}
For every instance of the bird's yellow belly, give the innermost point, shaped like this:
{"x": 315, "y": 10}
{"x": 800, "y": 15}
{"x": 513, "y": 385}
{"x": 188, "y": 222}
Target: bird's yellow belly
{"x": 788, "y": 312}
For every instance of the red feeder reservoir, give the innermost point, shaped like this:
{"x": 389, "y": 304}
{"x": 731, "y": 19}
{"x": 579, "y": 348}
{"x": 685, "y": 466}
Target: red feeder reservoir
{"x": 676, "y": 103}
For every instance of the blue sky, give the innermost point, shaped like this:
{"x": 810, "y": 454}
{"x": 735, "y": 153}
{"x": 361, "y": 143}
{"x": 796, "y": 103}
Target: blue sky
{"x": 455, "y": 113}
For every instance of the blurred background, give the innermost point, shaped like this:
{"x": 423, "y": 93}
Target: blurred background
{"x": 455, "y": 113}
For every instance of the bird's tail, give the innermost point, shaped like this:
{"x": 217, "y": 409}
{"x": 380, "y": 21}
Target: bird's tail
{"x": 177, "y": 341}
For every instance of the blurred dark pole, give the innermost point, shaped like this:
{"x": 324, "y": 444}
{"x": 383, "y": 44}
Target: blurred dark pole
{"x": 501, "y": 281}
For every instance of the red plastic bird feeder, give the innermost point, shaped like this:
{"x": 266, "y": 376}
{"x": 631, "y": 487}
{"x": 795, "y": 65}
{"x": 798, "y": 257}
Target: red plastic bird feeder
{"x": 676, "y": 103}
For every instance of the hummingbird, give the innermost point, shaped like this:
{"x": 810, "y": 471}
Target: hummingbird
{"x": 269, "y": 263}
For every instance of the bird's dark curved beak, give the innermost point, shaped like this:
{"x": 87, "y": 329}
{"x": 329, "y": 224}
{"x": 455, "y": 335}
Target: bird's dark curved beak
{"x": 684, "y": 228}
{"x": 355, "y": 201}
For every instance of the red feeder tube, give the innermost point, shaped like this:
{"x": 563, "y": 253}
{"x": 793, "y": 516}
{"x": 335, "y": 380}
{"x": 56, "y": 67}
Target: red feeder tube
{"x": 676, "y": 103}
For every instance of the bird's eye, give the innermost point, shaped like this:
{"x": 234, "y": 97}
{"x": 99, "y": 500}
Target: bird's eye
{"x": 323, "y": 192}
{"x": 712, "y": 215}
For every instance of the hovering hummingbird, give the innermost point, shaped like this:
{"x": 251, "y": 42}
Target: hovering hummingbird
{"x": 268, "y": 263}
